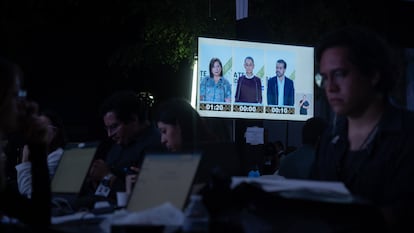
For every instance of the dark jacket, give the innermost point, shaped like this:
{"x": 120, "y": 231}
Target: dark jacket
{"x": 272, "y": 92}
{"x": 34, "y": 212}
{"x": 383, "y": 173}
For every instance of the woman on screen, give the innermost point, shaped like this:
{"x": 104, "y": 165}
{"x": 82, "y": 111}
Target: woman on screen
{"x": 249, "y": 86}
{"x": 215, "y": 88}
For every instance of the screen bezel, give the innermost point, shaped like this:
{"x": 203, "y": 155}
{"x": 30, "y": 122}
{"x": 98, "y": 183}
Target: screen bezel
{"x": 300, "y": 63}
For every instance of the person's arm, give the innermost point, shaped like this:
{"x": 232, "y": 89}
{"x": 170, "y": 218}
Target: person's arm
{"x": 259, "y": 90}
{"x": 53, "y": 159}
{"x": 203, "y": 89}
{"x": 237, "y": 96}
{"x": 270, "y": 92}
{"x": 36, "y": 211}
{"x": 131, "y": 179}
{"x": 100, "y": 174}
{"x": 24, "y": 173}
{"x": 292, "y": 94}
{"x": 24, "y": 178}
{"x": 99, "y": 170}
{"x": 227, "y": 91}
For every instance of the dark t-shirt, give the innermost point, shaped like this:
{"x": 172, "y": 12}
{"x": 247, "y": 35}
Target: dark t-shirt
{"x": 119, "y": 158}
{"x": 382, "y": 172}
{"x": 303, "y": 110}
{"x": 249, "y": 90}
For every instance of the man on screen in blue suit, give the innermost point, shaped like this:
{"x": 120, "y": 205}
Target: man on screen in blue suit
{"x": 280, "y": 89}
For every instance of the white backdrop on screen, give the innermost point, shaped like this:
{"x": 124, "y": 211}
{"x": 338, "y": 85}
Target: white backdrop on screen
{"x": 300, "y": 68}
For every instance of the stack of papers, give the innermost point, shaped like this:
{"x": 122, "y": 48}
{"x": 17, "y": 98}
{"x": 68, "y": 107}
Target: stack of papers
{"x": 328, "y": 191}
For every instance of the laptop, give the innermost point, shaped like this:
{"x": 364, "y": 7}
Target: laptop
{"x": 164, "y": 177}
{"x": 70, "y": 175}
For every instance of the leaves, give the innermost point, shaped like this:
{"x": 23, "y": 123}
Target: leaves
{"x": 138, "y": 33}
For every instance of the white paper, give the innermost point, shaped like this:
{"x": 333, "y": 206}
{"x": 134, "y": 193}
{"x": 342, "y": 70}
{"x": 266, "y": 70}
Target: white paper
{"x": 330, "y": 191}
{"x": 75, "y": 216}
{"x": 254, "y": 135}
{"x": 164, "y": 214}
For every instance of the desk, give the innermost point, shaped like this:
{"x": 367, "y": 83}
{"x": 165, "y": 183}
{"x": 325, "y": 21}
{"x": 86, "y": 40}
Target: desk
{"x": 86, "y": 222}
{"x": 248, "y": 208}
{"x": 80, "y": 222}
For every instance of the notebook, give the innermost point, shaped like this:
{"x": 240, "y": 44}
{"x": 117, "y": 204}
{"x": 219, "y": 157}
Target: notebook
{"x": 164, "y": 177}
{"x": 71, "y": 172}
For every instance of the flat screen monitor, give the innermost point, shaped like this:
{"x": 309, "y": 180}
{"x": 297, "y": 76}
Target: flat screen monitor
{"x": 258, "y": 80}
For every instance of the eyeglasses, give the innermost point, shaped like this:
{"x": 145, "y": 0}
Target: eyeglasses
{"x": 336, "y": 76}
{"x": 112, "y": 129}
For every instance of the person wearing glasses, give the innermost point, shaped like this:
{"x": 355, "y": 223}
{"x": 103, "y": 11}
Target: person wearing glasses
{"x": 370, "y": 145}
{"x": 126, "y": 119}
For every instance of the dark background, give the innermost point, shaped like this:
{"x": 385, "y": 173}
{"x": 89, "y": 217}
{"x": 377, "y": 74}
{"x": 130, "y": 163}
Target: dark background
{"x": 75, "y": 53}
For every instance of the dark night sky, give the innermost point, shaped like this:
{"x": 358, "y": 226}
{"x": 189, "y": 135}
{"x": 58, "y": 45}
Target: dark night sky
{"x": 66, "y": 66}
{"x": 67, "y": 71}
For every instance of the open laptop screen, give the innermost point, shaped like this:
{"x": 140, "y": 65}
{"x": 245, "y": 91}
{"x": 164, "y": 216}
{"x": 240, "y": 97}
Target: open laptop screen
{"x": 164, "y": 177}
{"x": 72, "y": 169}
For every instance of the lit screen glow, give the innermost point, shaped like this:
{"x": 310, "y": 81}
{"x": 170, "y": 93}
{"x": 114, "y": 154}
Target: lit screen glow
{"x": 212, "y": 99}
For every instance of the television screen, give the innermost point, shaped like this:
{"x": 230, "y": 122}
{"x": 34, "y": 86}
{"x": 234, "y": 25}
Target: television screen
{"x": 252, "y": 80}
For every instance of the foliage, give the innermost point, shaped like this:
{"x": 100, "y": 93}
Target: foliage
{"x": 146, "y": 33}
{"x": 171, "y": 29}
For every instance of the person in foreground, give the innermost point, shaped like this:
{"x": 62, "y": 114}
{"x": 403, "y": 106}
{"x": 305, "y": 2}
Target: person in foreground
{"x": 369, "y": 147}
{"x": 16, "y": 114}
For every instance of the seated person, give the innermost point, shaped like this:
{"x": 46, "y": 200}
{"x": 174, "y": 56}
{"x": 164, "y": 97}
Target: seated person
{"x": 18, "y": 114}
{"x": 183, "y": 130}
{"x": 297, "y": 164}
{"x": 127, "y": 123}
{"x": 369, "y": 147}
{"x": 181, "y": 126}
{"x": 56, "y": 140}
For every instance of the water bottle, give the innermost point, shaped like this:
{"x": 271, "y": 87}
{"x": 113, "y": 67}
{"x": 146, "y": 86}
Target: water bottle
{"x": 196, "y": 216}
{"x": 254, "y": 172}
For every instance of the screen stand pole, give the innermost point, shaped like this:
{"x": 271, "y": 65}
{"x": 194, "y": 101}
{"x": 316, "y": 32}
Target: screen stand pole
{"x": 233, "y": 139}
{"x": 287, "y": 135}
